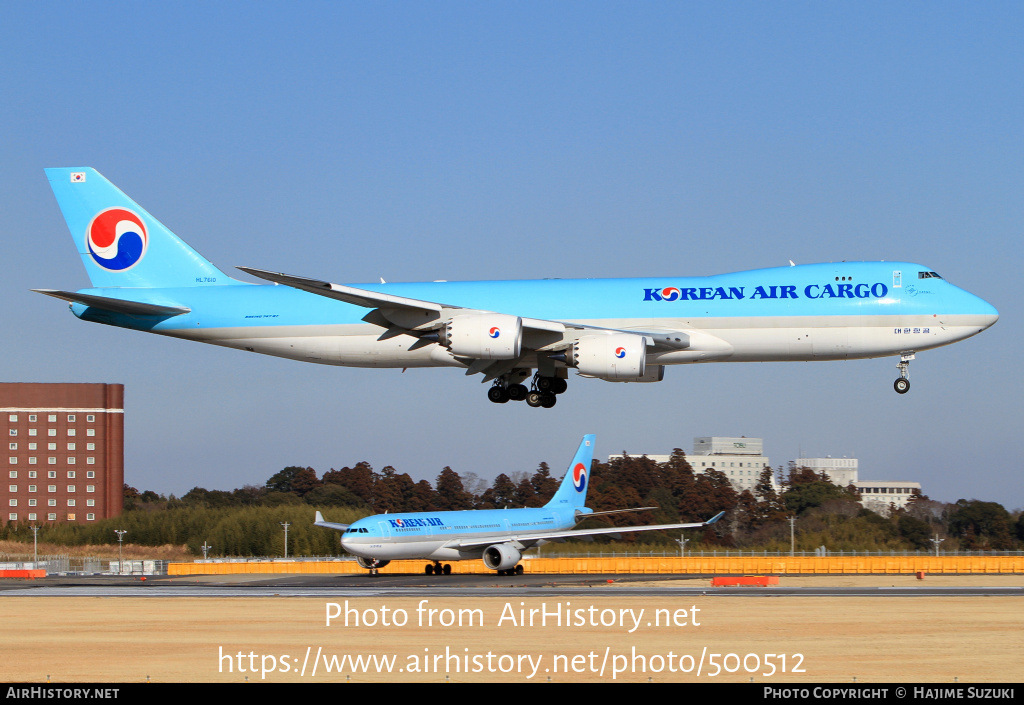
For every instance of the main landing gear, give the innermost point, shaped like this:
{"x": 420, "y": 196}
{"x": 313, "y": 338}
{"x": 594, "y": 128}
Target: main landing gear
{"x": 436, "y": 568}
{"x": 518, "y": 570}
{"x": 902, "y": 384}
{"x": 543, "y": 391}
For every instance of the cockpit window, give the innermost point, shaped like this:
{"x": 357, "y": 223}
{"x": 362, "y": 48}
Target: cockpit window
{"x": 928, "y": 275}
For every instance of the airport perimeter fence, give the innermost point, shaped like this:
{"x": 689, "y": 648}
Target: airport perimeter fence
{"x": 81, "y": 565}
{"x": 736, "y": 553}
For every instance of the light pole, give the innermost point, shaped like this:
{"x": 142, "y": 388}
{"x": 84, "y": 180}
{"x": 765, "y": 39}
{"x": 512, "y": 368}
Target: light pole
{"x": 120, "y": 539}
{"x": 35, "y": 545}
{"x": 206, "y": 547}
{"x": 792, "y": 536}
{"x": 285, "y": 525}
{"x": 682, "y": 546}
{"x": 936, "y": 541}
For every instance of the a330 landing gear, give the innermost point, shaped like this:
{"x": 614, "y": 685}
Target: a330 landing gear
{"x": 542, "y": 392}
{"x": 902, "y": 384}
{"x": 436, "y": 568}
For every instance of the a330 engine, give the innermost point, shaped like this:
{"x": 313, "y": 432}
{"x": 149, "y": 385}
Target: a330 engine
{"x": 501, "y": 556}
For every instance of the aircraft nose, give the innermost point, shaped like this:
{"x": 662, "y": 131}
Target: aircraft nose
{"x": 987, "y": 314}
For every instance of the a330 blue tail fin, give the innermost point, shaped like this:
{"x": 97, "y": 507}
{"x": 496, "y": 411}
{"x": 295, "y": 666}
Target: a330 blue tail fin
{"x": 573, "y": 490}
{"x": 121, "y": 244}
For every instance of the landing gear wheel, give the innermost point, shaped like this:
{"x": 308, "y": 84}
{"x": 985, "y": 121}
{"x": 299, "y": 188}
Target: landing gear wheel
{"x": 429, "y": 570}
{"x": 559, "y": 386}
{"x": 447, "y": 568}
{"x": 517, "y": 392}
{"x": 545, "y": 384}
{"x": 519, "y": 570}
{"x": 548, "y": 399}
{"x": 534, "y": 399}
{"x": 498, "y": 394}
{"x": 902, "y": 386}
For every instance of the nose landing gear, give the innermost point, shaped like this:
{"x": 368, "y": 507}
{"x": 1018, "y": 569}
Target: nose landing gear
{"x": 902, "y": 384}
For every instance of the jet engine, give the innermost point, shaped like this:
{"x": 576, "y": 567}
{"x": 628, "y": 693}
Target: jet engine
{"x": 501, "y": 556}
{"x": 617, "y": 358}
{"x": 483, "y": 336}
{"x": 370, "y": 562}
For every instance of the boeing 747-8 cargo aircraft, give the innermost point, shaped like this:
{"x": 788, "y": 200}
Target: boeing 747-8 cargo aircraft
{"x": 522, "y": 336}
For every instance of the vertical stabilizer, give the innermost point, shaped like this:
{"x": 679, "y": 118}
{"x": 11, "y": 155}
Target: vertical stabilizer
{"x": 121, "y": 244}
{"x": 573, "y": 490}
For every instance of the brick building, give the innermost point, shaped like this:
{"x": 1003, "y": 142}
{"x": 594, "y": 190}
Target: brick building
{"x": 65, "y": 452}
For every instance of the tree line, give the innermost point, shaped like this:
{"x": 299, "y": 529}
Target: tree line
{"x": 248, "y": 521}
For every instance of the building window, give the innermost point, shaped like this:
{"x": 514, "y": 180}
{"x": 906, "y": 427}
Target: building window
{"x": 32, "y": 460}
{"x": 13, "y": 460}
{"x": 14, "y": 432}
{"x": 71, "y": 418}
{"x": 51, "y": 446}
{"x": 32, "y": 446}
{"x": 71, "y": 431}
{"x": 90, "y": 474}
{"x": 51, "y": 517}
{"x": 90, "y": 418}
{"x": 51, "y": 460}
{"x": 12, "y": 446}
{"x": 13, "y": 502}
{"x": 13, "y": 418}
{"x": 31, "y": 418}
{"x": 71, "y": 446}
{"x": 31, "y": 432}
{"x": 52, "y": 418}
{"x": 32, "y": 516}
{"x": 51, "y": 503}
{"x": 71, "y": 460}
{"x": 31, "y": 503}
{"x": 31, "y": 488}
{"x": 71, "y": 517}
{"x": 31, "y": 474}
{"x": 51, "y": 474}
{"x": 90, "y": 460}
{"x": 90, "y": 502}
{"x": 12, "y": 488}
{"x": 12, "y": 516}
{"x": 90, "y": 488}
{"x": 71, "y": 474}
{"x": 71, "y": 502}
{"x": 71, "y": 488}
{"x": 90, "y": 431}
{"x": 90, "y": 517}
{"x": 90, "y": 446}
{"x": 13, "y": 474}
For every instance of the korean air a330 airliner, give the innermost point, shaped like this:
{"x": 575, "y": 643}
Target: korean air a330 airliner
{"x": 523, "y": 337}
{"x": 498, "y": 536}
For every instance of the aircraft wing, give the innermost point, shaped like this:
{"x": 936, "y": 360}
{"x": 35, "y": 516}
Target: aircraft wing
{"x": 329, "y": 524}
{"x": 571, "y": 533}
{"x": 416, "y": 317}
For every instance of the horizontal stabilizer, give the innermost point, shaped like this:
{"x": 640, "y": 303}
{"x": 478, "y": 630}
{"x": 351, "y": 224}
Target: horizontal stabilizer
{"x": 329, "y": 524}
{"x": 131, "y": 308}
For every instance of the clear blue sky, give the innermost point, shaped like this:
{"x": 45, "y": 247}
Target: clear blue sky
{"x": 421, "y": 141}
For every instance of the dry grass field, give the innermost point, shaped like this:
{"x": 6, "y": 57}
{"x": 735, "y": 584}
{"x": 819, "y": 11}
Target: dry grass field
{"x": 823, "y": 639}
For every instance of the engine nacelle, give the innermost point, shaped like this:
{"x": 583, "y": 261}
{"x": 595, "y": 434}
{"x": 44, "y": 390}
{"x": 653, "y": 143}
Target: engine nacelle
{"x": 653, "y": 373}
{"x": 501, "y": 556}
{"x": 370, "y": 562}
{"x": 483, "y": 336}
{"x": 617, "y": 358}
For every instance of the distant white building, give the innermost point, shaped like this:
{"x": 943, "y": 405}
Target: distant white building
{"x": 840, "y": 471}
{"x": 882, "y": 497}
{"x": 740, "y": 459}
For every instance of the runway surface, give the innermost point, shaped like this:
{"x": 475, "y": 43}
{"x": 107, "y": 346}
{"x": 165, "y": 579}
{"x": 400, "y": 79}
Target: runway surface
{"x": 460, "y": 585}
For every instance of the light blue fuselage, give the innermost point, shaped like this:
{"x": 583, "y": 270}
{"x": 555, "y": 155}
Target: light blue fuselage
{"x": 805, "y": 312}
